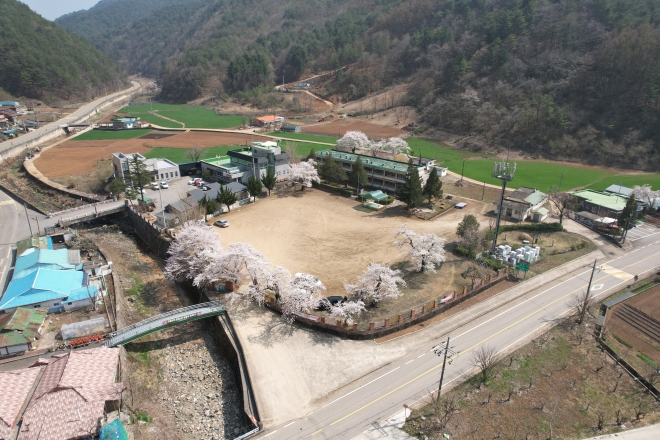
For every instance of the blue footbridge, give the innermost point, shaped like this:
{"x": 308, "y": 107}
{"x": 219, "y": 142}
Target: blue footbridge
{"x": 165, "y": 320}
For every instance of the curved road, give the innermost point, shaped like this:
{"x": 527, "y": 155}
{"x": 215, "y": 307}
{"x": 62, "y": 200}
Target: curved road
{"x": 380, "y": 396}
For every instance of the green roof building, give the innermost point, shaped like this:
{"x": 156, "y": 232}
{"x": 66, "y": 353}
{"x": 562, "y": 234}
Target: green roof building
{"x": 599, "y": 203}
{"x": 19, "y": 329}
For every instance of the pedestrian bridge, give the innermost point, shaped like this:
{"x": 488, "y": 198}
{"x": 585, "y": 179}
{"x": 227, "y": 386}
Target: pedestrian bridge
{"x": 165, "y": 320}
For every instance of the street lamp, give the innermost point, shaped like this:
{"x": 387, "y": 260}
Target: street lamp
{"x": 443, "y": 349}
{"x": 503, "y": 171}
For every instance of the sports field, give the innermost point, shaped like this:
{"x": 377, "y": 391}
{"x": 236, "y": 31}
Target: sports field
{"x": 99, "y": 135}
{"x": 143, "y": 108}
{"x": 628, "y": 180}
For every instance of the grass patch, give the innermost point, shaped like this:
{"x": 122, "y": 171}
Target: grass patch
{"x": 621, "y": 341}
{"x": 179, "y": 155}
{"x": 142, "y": 416}
{"x": 203, "y": 118}
{"x": 629, "y": 181}
{"x": 443, "y": 154}
{"x": 101, "y": 135}
{"x": 305, "y": 137}
{"x": 646, "y": 359}
{"x": 157, "y": 120}
{"x": 143, "y": 108}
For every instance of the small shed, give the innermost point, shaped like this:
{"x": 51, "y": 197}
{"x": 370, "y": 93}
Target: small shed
{"x": 376, "y": 196}
{"x": 81, "y": 329}
{"x": 290, "y": 128}
{"x": 539, "y": 214}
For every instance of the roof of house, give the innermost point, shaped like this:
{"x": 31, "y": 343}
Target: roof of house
{"x": 33, "y": 242}
{"x": 59, "y": 259}
{"x": 182, "y": 205}
{"x": 70, "y": 398}
{"x": 16, "y": 386}
{"x": 289, "y": 126}
{"x": 44, "y": 285}
{"x": 374, "y": 195}
{"x": 198, "y": 194}
{"x": 609, "y": 201}
{"x": 618, "y": 189}
{"x": 531, "y": 196}
{"x": 268, "y": 118}
{"x": 22, "y": 321}
{"x": 368, "y": 161}
{"x": 542, "y": 211}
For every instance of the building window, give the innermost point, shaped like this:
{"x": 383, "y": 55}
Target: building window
{"x": 69, "y": 303}
{"x": 56, "y": 304}
{"x": 37, "y": 306}
{"x": 176, "y": 173}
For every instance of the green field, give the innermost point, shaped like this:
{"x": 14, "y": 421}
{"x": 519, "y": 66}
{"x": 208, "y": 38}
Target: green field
{"x": 629, "y": 181}
{"x": 143, "y": 108}
{"x": 441, "y": 153}
{"x": 179, "y": 155}
{"x": 157, "y": 120}
{"x": 101, "y": 135}
{"x": 305, "y": 137}
{"x": 203, "y": 118}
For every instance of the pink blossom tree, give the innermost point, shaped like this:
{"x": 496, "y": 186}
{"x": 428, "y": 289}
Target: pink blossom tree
{"x": 347, "y": 311}
{"x": 195, "y": 245}
{"x": 425, "y": 251}
{"x": 303, "y": 294}
{"x": 231, "y": 265}
{"x": 353, "y": 141}
{"x": 377, "y": 283}
{"x": 305, "y": 173}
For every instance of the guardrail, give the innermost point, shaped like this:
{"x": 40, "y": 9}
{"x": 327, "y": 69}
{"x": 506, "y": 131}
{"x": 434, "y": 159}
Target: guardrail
{"x": 77, "y": 208}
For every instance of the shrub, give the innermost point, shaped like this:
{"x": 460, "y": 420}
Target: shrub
{"x": 387, "y": 201}
{"x": 336, "y": 189}
{"x": 494, "y": 264}
{"x": 621, "y": 341}
{"x": 534, "y": 227}
{"x": 464, "y": 252}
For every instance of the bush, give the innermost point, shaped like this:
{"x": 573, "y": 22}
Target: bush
{"x": 494, "y": 264}
{"x": 621, "y": 341}
{"x": 647, "y": 359}
{"x": 336, "y": 189}
{"x": 387, "y": 201}
{"x": 534, "y": 227}
{"x": 464, "y": 252}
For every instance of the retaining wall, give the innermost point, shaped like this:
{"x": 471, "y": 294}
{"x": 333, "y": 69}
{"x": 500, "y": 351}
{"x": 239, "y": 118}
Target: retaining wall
{"x": 148, "y": 233}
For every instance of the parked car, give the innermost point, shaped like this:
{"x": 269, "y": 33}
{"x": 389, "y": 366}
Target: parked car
{"x": 306, "y": 275}
{"x": 221, "y": 223}
{"x": 155, "y": 186}
{"x": 328, "y": 301}
{"x": 164, "y": 185}
{"x": 191, "y": 182}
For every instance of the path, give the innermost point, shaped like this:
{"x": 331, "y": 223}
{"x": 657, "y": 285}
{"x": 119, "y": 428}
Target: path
{"x": 155, "y": 113}
{"x": 319, "y": 98}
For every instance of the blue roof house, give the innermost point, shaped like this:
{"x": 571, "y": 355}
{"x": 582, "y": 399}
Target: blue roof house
{"x": 33, "y": 259}
{"x": 56, "y": 290}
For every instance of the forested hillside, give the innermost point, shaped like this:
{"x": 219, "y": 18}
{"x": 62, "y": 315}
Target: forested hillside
{"x": 39, "y": 59}
{"x": 560, "y": 79}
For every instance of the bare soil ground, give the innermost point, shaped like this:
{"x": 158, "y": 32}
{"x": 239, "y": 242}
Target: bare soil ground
{"x": 178, "y": 383}
{"x": 647, "y": 302}
{"x": 80, "y": 157}
{"x": 339, "y": 127}
{"x": 558, "y": 386}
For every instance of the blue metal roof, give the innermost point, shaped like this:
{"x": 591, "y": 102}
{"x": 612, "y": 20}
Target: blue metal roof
{"x": 45, "y": 285}
{"x": 53, "y": 259}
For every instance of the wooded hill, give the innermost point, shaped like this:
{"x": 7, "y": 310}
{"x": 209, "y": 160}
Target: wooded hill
{"x": 39, "y": 59}
{"x": 559, "y": 79}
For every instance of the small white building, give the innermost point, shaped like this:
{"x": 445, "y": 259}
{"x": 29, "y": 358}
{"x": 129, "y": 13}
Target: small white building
{"x": 160, "y": 168}
{"x": 523, "y": 203}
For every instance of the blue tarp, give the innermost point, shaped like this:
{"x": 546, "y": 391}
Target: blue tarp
{"x": 114, "y": 431}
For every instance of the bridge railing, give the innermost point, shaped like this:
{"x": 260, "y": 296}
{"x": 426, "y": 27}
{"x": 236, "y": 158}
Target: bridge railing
{"x": 216, "y": 305}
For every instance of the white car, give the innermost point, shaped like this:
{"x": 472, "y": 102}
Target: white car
{"x": 309, "y": 277}
{"x": 164, "y": 185}
{"x": 222, "y": 223}
{"x": 155, "y": 186}
{"x": 191, "y": 182}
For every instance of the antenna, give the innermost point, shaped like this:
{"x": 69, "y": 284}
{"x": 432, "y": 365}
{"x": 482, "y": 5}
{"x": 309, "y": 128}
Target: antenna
{"x": 503, "y": 171}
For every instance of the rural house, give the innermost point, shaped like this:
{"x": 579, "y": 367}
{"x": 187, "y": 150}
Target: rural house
{"x": 16, "y": 389}
{"x": 19, "y": 329}
{"x": 603, "y": 205}
{"x": 290, "y": 128}
{"x": 267, "y": 121}
{"x": 523, "y": 203}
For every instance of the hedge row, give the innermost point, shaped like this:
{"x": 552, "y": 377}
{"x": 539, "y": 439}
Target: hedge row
{"x": 534, "y": 227}
{"x": 464, "y": 252}
{"x": 339, "y": 190}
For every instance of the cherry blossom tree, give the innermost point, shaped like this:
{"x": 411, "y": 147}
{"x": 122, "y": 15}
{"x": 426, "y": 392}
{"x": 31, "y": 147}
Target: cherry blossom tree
{"x": 425, "y": 251}
{"x": 305, "y": 173}
{"x": 196, "y": 244}
{"x": 353, "y": 141}
{"x": 347, "y": 311}
{"x": 395, "y": 146}
{"x": 264, "y": 279}
{"x": 303, "y": 294}
{"x": 376, "y": 284}
{"x": 646, "y": 194}
{"x": 232, "y": 265}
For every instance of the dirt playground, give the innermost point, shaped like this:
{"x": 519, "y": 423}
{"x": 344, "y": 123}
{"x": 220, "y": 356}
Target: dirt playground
{"x": 341, "y": 126}
{"x": 80, "y": 157}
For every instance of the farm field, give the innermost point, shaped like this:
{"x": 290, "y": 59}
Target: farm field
{"x": 340, "y": 127}
{"x": 203, "y": 118}
{"x": 157, "y": 120}
{"x": 305, "y": 137}
{"x": 143, "y": 108}
{"x": 99, "y": 135}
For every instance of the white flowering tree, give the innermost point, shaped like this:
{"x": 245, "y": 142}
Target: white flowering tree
{"x": 376, "y": 284}
{"x": 303, "y": 294}
{"x": 305, "y": 173}
{"x": 425, "y": 251}
{"x": 265, "y": 278}
{"x": 395, "y": 146}
{"x": 347, "y": 311}
{"x": 231, "y": 265}
{"x": 353, "y": 141}
{"x": 646, "y": 194}
{"x": 195, "y": 245}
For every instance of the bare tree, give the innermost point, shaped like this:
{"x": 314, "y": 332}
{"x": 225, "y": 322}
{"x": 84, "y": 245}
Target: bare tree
{"x": 580, "y": 303}
{"x": 563, "y": 201}
{"x": 194, "y": 154}
{"x": 601, "y": 420}
{"x": 484, "y": 359}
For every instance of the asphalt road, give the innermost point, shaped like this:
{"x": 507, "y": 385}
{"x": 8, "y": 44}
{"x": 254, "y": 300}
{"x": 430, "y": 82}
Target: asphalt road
{"x": 377, "y": 397}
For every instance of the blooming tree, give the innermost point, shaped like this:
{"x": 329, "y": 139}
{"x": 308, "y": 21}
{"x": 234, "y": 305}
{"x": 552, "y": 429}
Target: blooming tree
{"x": 347, "y": 311}
{"x": 395, "y": 146}
{"x": 232, "y": 265}
{"x": 353, "y": 141}
{"x": 646, "y": 194}
{"x": 303, "y": 294}
{"x": 305, "y": 173}
{"x": 195, "y": 245}
{"x": 425, "y": 251}
{"x": 376, "y": 284}
{"x": 264, "y": 279}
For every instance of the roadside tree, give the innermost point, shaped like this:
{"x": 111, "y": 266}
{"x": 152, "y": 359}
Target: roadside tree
{"x": 254, "y": 187}
{"x": 564, "y": 202}
{"x": 433, "y": 186}
{"x": 646, "y": 194}
{"x": 231, "y": 265}
{"x": 209, "y": 206}
{"x": 139, "y": 174}
{"x": 629, "y": 212}
{"x": 194, "y": 154}
{"x": 226, "y": 197}
{"x": 269, "y": 181}
{"x": 580, "y": 303}
{"x": 410, "y": 192}
{"x": 358, "y": 176}
{"x": 484, "y": 358}
{"x": 332, "y": 170}
{"x": 425, "y": 251}
{"x": 468, "y": 223}
{"x": 377, "y": 283}
{"x": 116, "y": 186}
{"x": 305, "y": 173}
{"x": 353, "y": 141}
{"x": 311, "y": 155}
{"x": 196, "y": 244}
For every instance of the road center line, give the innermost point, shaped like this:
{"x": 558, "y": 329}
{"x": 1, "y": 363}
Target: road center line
{"x": 285, "y": 426}
{"x": 348, "y": 394}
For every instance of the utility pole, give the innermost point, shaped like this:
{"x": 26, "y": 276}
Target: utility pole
{"x": 561, "y": 180}
{"x": 503, "y": 171}
{"x": 27, "y": 216}
{"x": 483, "y": 192}
{"x": 442, "y": 350}
{"x": 162, "y": 207}
{"x": 38, "y": 228}
{"x": 463, "y": 170}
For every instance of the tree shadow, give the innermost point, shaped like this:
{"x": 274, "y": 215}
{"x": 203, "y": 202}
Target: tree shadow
{"x": 271, "y": 332}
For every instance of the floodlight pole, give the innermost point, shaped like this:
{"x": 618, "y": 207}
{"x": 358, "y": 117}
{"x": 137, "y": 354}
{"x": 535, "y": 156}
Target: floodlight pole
{"x": 503, "y": 171}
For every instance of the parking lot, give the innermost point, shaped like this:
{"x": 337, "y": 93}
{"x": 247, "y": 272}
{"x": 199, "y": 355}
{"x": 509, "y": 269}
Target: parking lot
{"x": 176, "y": 191}
{"x": 642, "y": 231}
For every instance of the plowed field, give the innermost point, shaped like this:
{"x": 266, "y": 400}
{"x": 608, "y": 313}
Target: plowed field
{"x": 80, "y": 157}
{"x": 341, "y": 126}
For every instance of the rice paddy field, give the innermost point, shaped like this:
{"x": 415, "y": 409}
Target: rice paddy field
{"x": 187, "y": 115}
{"x": 101, "y": 135}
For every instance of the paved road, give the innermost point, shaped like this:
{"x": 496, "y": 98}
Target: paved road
{"x": 646, "y": 433}
{"x": 381, "y": 395}
{"x": 71, "y": 119}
